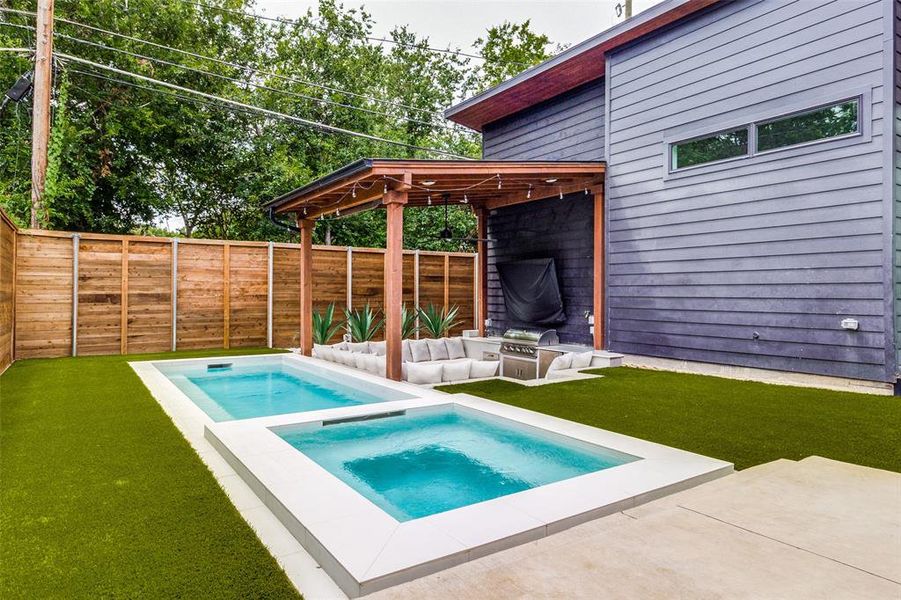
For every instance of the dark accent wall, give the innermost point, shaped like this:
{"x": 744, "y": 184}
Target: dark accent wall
{"x": 553, "y": 228}
{"x": 754, "y": 261}
{"x": 568, "y": 127}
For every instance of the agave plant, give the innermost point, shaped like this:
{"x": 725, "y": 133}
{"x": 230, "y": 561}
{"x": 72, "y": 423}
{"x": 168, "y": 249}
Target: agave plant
{"x": 438, "y": 321}
{"x": 408, "y": 326}
{"x": 363, "y": 324}
{"x": 325, "y": 326}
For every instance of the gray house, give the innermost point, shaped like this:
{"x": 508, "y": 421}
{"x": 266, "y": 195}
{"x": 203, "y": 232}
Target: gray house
{"x": 753, "y": 153}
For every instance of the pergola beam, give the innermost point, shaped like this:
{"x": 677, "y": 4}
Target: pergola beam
{"x": 394, "y": 201}
{"x": 306, "y": 285}
{"x": 598, "y": 264}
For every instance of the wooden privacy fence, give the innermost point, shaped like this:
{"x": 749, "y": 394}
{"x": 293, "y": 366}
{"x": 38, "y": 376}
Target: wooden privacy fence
{"x": 80, "y": 294}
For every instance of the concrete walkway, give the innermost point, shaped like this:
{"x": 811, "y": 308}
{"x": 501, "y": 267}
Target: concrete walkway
{"x": 815, "y": 528}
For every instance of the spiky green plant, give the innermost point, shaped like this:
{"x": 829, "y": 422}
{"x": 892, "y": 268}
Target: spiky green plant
{"x": 437, "y": 321}
{"x": 324, "y": 325}
{"x": 408, "y": 326}
{"x": 363, "y": 324}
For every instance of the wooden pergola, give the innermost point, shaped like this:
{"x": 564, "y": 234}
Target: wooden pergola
{"x": 393, "y": 184}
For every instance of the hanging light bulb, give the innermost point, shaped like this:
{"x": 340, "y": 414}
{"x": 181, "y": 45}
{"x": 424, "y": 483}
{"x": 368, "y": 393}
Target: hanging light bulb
{"x": 529, "y": 193}
{"x": 304, "y": 211}
{"x": 561, "y": 193}
{"x": 386, "y": 188}
{"x": 338, "y": 213}
{"x": 465, "y": 199}
{"x": 499, "y": 181}
{"x": 353, "y": 191}
{"x": 586, "y": 191}
{"x": 430, "y": 200}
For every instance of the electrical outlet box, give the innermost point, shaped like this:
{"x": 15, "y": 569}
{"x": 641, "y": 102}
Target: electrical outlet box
{"x": 850, "y": 324}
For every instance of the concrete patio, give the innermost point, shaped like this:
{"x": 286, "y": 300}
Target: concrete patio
{"x": 814, "y": 528}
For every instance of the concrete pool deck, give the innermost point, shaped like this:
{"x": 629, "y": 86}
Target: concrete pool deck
{"x": 815, "y": 528}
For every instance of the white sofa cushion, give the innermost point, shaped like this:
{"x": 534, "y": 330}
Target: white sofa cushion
{"x": 424, "y": 373}
{"x": 360, "y": 360}
{"x": 346, "y": 358}
{"x": 455, "y": 348}
{"x": 483, "y": 368}
{"x": 420, "y": 350}
{"x": 581, "y": 360}
{"x": 380, "y": 365}
{"x": 340, "y": 346}
{"x": 323, "y": 352}
{"x": 561, "y": 362}
{"x": 406, "y": 353}
{"x": 457, "y": 370}
{"x": 370, "y": 363}
{"x": 359, "y": 347}
{"x": 378, "y": 348}
{"x": 437, "y": 349}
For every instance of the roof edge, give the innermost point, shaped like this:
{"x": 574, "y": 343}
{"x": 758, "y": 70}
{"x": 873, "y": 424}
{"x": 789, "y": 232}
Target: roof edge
{"x": 642, "y": 19}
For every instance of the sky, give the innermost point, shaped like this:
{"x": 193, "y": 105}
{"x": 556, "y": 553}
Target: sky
{"x": 459, "y": 23}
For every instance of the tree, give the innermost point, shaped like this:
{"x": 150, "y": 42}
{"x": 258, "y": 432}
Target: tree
{"x": 509, "y": 49}
{"x": 126, "y": 153}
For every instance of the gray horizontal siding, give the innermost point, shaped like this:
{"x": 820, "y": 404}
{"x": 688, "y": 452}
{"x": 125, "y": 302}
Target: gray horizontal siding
{"x": 753, "y": 262}
{"x": 568, "y": 127}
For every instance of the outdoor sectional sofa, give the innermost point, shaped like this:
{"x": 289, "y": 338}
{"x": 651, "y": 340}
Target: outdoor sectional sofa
{"x": 426, "y": 361}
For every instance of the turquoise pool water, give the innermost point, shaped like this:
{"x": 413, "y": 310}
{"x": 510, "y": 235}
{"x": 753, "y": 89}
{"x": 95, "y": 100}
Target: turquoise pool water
{"x": 432, "y": 460}
{"x": 242, "y": 389}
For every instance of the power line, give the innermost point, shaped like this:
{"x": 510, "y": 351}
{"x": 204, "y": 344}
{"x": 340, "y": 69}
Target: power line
{"x": 234, "y": 65}
{"x": 266, "y": 111}
{"x": 235, "y": 80}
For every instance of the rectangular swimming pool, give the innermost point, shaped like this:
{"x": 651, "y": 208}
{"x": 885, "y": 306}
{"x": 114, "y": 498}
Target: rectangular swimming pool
{"x": 418, "y": 463}
{"x": 247, "y": 388}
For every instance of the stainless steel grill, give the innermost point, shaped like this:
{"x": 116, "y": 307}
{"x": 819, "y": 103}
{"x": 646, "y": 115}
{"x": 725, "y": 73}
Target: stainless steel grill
{"x": 521, "y": 352}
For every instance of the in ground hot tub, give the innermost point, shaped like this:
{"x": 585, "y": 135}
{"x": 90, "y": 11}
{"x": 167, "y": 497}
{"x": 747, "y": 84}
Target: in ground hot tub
{"x": 379, "y": 497}
{"x": 417, "y": 463}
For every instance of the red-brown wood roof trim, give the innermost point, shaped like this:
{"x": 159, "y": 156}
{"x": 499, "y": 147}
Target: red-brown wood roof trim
{"x": 548, "y": 80}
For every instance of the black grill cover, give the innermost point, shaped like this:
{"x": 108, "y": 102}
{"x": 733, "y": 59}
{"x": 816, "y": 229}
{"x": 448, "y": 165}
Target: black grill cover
{"x": 531, "y": 293}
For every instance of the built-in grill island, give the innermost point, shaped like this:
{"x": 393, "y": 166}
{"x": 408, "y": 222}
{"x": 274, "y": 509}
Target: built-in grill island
{"x": 524, "y": 353}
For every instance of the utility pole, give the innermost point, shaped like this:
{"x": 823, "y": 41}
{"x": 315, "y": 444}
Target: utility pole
{"x": 628, "y": 9}
{"x": 40, "y": 133}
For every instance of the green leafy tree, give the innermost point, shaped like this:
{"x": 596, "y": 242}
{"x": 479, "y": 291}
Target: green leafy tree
{"x": 509, "y": 49}
{"x": 126, "y": 154}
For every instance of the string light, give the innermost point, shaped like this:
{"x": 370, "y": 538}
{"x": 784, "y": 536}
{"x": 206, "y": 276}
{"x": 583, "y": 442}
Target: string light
{"x": 338, "y": 213}
{"x": 465, "y": 199}
{"x": 529, "y": 193}
{"x": 499, "y": 181}
{"x": 586, "y": 191}
{"x": 304, "y": 211}
{"x": 353, "y": 191}
{"x": 430, "y": 199}
{"x": 561, "y": 193}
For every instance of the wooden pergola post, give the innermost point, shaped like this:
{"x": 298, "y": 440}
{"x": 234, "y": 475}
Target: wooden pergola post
{"x": 394, "y": 201}
{"x": 598, "y": 259}
{"x": 482, "y": 276}
{"x": 306, "y": 285}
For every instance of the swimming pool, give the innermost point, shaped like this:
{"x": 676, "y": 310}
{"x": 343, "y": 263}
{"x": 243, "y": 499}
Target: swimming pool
{"x": 418, "y": 463}
{"x": 248, "y": 388}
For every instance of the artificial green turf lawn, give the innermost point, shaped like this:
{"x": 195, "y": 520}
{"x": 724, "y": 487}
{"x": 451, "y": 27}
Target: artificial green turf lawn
{"x": 102, "y": 497}
{"x": 741, "y": 422}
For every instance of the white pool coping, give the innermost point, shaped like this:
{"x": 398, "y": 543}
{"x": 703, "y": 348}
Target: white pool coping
{"x": 364, "y": 549}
